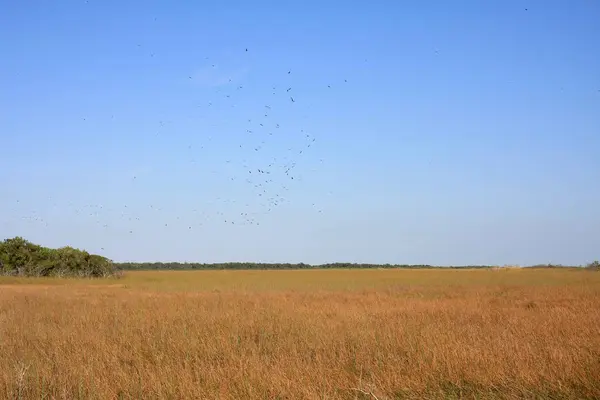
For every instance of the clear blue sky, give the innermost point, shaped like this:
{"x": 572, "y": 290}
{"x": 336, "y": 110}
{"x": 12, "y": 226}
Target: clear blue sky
{"x": 440, "y": 132}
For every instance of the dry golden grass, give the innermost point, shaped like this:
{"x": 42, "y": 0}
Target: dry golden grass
{"x": 385, "y": 334}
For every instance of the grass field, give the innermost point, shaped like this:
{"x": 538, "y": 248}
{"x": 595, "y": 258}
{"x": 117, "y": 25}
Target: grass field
{"x": 316, "y": 334}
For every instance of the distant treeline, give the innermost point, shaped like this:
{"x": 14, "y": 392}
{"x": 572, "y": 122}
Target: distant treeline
{"x": 19, "y": 257}
{"x": 132, "y": 266}
{"x": 251, "y": 265}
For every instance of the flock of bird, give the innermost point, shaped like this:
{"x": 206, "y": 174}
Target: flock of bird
{"x": 263, "y": 175}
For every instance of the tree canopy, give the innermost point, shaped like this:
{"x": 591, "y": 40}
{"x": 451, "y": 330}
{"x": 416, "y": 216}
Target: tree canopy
{"x": 19, "y": 257}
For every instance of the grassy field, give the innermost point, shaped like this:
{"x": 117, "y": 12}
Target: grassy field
{"x": 334, "y": 334}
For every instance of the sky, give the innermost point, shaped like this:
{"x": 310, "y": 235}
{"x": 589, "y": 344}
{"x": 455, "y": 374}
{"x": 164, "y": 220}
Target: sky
{"x": 420, "y": 132}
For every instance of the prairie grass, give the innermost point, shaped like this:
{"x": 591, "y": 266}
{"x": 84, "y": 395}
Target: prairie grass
{"x": 334, "y": 334}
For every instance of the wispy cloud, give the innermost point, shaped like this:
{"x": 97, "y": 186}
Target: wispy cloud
{"x": 216, "y": 76}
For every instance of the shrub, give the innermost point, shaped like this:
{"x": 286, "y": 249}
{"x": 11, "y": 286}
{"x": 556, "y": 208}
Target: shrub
{"x": 594, "y": 266}
{"x": 19, "y": 257}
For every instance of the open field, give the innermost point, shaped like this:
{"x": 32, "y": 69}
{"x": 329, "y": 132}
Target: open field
{"x": 314, "y": 334}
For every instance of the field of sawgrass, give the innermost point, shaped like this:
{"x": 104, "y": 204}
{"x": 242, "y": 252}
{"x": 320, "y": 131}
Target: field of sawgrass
{"x": 314, "y": 334}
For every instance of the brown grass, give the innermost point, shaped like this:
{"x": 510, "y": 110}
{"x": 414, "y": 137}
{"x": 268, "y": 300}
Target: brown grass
{"x": 387, "y": 334}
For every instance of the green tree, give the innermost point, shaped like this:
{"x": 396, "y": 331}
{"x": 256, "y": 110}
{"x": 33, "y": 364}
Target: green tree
{"x": 18, "y": 257}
